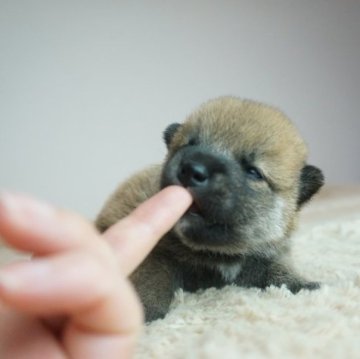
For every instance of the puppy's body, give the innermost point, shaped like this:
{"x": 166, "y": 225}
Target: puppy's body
{"x": 245, "y": 165}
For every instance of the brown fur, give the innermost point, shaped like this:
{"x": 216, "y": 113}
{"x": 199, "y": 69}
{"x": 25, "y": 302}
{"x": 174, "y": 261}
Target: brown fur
{"x": 247, "y": 202}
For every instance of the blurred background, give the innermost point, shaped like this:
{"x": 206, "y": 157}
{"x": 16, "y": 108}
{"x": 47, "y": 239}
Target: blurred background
{"x": 87, "y": 87}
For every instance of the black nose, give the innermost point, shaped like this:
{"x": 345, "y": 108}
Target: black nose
{"x": 193, "y": 174}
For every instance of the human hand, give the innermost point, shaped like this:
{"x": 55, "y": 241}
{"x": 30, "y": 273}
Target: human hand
{"x": 73, "y": 299}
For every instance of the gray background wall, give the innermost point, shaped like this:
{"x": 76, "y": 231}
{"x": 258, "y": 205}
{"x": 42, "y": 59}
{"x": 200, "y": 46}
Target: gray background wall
{"x": 87, "y": 87}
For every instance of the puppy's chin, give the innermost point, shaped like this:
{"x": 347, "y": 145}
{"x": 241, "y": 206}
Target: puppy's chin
{"x": 197, "y": 233}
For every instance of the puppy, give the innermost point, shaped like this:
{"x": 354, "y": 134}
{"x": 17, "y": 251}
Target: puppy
{"x": 245, "y": 165}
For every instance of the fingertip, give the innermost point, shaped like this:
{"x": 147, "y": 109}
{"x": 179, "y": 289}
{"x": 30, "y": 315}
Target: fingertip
{"x": 19, "y": 205}
{"x": 177, "y": 193}
{"x": 36, "y": 226}
{"x": 19, "y": 213}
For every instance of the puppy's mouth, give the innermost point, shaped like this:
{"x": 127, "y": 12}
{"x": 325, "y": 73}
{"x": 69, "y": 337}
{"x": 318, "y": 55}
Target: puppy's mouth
{"x": 195, "y": 208}
{"x": 203, "y": 226}
{"x": 201, "y": 210}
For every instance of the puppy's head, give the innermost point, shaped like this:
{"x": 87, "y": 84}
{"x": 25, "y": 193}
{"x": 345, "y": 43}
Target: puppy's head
{"x": 245, "y": 166}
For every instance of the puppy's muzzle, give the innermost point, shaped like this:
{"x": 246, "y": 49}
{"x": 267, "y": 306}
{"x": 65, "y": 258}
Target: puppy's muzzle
{"x": 198, "y": 169}
{"x": 193, "y": 174}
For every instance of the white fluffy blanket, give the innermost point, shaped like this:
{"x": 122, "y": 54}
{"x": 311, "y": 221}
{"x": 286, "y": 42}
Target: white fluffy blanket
{"x": 249, "y": 323}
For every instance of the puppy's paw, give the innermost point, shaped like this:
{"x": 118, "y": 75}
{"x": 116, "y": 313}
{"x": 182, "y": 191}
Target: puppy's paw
{"x": 297, "y": 286}
{"x": 154, "y": 313}
{"x": 311, "y": 285}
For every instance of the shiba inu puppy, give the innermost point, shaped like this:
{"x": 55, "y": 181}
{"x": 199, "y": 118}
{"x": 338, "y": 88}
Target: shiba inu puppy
{"x": 245, "y": 165}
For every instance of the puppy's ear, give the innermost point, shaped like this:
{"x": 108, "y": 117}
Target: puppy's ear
{"x": 311, "y": 180}
{"x": 169, "y": 132}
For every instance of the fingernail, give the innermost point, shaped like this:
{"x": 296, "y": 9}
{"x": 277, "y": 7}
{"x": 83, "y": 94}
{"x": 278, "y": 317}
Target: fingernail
{"x": 20, "y": 206}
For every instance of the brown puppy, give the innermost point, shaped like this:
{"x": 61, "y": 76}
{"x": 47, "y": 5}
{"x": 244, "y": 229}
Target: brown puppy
{"x": 245, "y": 166}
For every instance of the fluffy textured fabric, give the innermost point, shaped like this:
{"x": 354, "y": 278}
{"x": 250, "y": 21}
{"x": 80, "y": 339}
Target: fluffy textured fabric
{"x": 249, "y": 323}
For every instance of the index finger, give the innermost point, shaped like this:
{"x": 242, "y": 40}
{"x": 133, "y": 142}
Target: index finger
{"x": 134, "y": 236}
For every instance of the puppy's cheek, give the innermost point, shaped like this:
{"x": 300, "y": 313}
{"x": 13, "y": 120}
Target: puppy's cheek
{"x": 263, "y": 223}
{"x": 274, "y": 221}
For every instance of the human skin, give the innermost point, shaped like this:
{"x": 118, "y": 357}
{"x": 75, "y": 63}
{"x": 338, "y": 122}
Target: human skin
{"x": 73, "y": 299}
